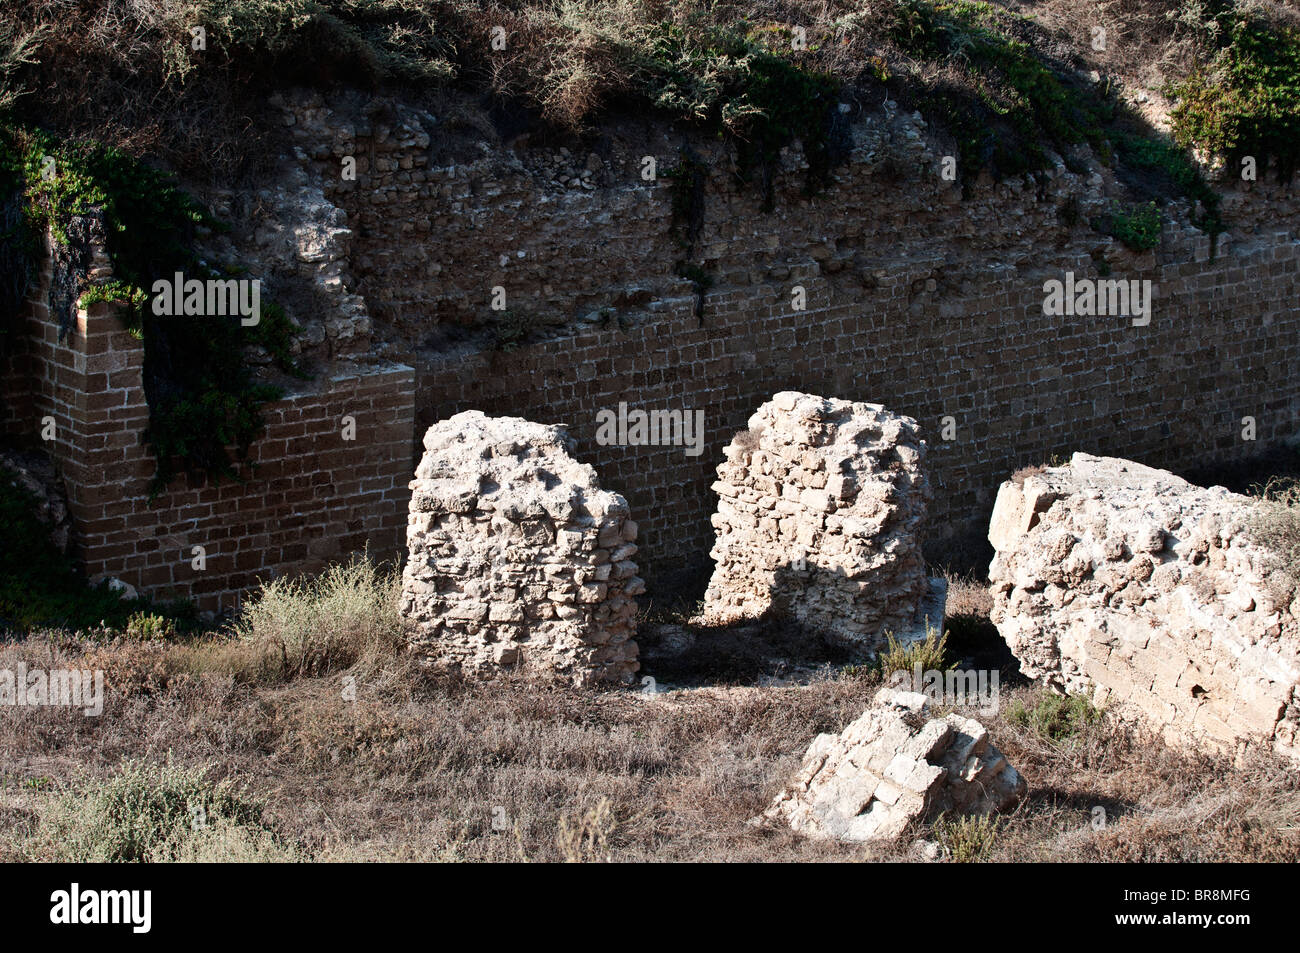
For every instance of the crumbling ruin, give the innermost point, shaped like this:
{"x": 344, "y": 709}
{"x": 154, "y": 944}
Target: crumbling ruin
{"x": 517, "y": 559}
{"x": 820, "y": 506}
{"x": 893, "y": 766}
{"x": 1154, "y": 594}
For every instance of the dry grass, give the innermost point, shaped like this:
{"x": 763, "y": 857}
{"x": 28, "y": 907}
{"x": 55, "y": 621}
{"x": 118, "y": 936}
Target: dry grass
{"x": 968, "y": 596}
{"x": 418, "y": 768}
{"x": 123, "y": 71}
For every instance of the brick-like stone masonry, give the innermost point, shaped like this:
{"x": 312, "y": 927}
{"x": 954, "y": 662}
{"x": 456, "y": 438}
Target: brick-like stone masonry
{"x": 892, "y": 766}
{"x": 820, "y": 509}
{"x": 308, "y": 497}
{"x": 516, "y": 557}
{"x": 917, "y": 298}
{"x": 1152, "y": 594}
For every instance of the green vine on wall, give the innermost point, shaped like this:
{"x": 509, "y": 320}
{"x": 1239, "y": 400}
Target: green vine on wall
{"x": 202, "y": 397}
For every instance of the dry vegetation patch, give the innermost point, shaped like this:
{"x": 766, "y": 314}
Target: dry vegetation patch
{"x": 359, "y": 754}
{"x": 425, "y": 768}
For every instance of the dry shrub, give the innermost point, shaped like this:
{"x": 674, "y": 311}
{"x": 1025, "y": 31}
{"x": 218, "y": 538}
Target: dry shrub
{"x": 347, "y": 615}
{"x": 131, "y": 667}
{"x": 587, "y": 840}
{"x": 1024, "y": 473}
{"x": 749, "y": 439}
{"x": 967, "y": 596}
{"x": 148, "y": 812}
{"x": 1275, "y": 525}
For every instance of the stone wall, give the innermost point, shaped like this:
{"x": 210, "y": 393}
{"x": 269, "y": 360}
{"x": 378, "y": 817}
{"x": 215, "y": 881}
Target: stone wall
{"x": 916, "y": 298}
{"x": 309, "y": 496}
{"x": 516, "y": 557}
{"x": 1019, "y": 385}
{"x": 820, "y": 513}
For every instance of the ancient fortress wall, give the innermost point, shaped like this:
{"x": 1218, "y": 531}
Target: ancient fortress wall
{"x": 1021, "y": 386}
{"x": 913, "y": 297}
{"x": 310, "y": 496}
{"x": 916, "y": 298}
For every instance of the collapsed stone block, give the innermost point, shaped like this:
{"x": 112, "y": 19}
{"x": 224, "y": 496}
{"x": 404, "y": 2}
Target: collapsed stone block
{"x": 1152, "y": 594}
{"x": 516, "y": 557}
{"x": 820, "y": 507}
{"x": 893, "y": 766}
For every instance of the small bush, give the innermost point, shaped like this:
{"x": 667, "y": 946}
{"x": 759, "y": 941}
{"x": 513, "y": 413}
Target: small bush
{"x": 1138, "y": 228}
{"x": 1056, "y": 718}
{"x": 347, "y": 614}
{"x": 150, "y": 812}
{"x": 968, "y": 839}
{"x": 150, "y": 627}
{"x": 1245, "y": 100}
{"x": 930, "y": 654}
{"x": 1275, "y": 524}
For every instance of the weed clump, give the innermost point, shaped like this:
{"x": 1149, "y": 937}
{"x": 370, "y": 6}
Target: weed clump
{"x": 970, "y": 839}
{"x": 1137, "y": 228}
{"x": 931, "y": 654}
{"x": 347, "y": 614}
{"x": 150, "y": 812}
{"x": 1055, "y": 718}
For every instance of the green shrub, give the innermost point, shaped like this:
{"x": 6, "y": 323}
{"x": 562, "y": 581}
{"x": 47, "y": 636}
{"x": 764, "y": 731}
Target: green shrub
{"x": 970, "y": 839}
{"x": 1245, "y": 100}
{"x": 347, "y": 614}
{"x": 930, "y": 654}
{"x": 1138, "y": 228}
{"x": 150, "y": 812}
{"x": 1019, "y": 104}
{"x": 150, "y": 627}
{"x": 739, "y": 82}
{"x": 1054, "y": 717}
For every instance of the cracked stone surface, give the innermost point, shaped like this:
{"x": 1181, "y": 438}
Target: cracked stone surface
{"x": 1153, "y": 595}
{"x": 820, "y": 507}
{"x": 892, "y": 766}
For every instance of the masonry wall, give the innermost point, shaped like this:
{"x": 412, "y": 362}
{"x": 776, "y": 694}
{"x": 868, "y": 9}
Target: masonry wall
{"x": 919, "y": 298}
{"x": 1021, "y": 386}
{"x": 310, "y": 496}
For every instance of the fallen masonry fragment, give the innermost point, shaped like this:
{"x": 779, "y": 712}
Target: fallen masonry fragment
{"x": 820, "y": 507}
{"x": 516, "y": 557}
{"x": 893, "y": 766}
{"x": 1155, "y": 595}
